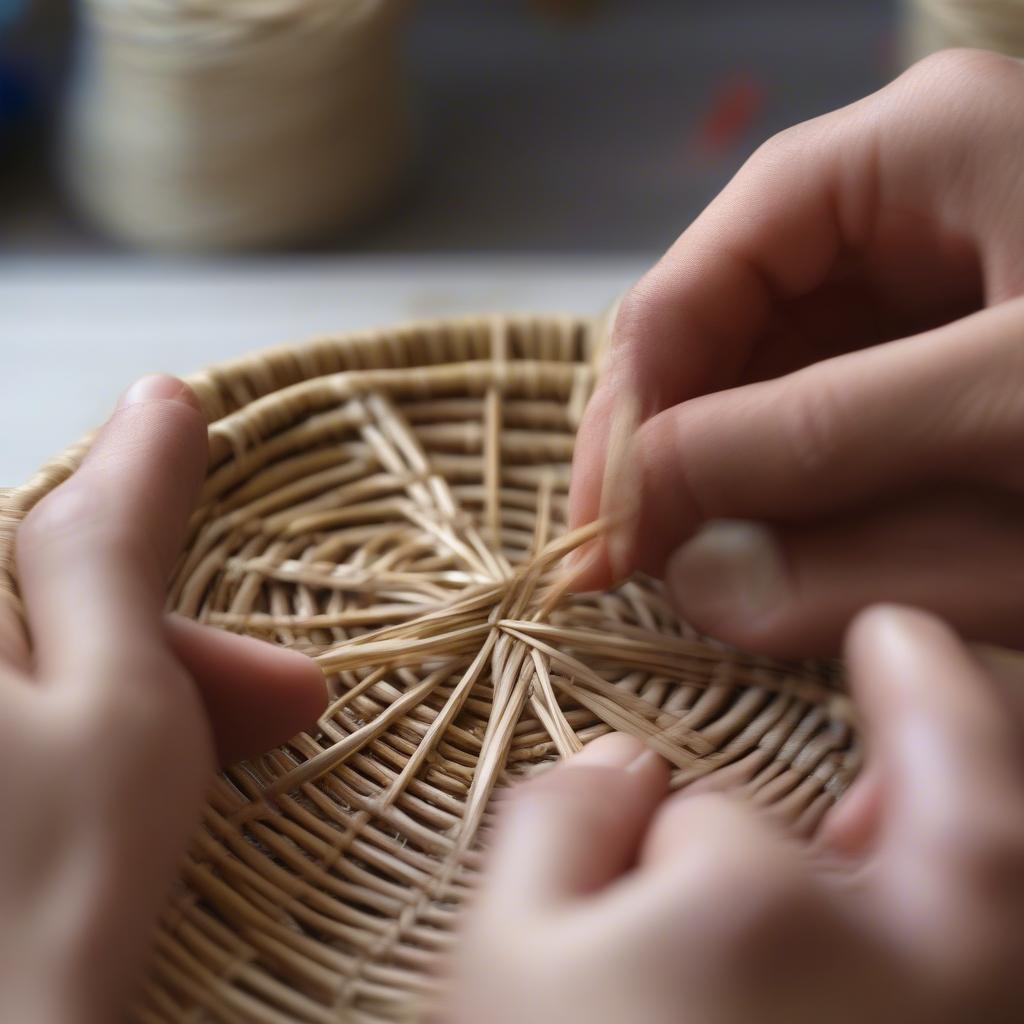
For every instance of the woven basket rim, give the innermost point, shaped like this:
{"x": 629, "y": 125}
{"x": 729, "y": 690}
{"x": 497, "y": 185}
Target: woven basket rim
{"x": 18, "y": 499}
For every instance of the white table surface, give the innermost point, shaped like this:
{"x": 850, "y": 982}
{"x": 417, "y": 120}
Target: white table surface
{"x": 75, "y": 332}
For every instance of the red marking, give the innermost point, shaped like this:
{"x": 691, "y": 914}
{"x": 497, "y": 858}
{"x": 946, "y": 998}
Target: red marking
{"x": 735, "y": 104}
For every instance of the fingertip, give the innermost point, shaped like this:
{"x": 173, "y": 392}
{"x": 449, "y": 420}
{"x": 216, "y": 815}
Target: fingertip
{"x": 578, "y": 826}
{"x": 166, "y": 413}
{"x": 257, "y": 695}
{"x": 301, "y": 676}
{"x": 623, "y": 751}
{"x": 615, "y": 760}
{"x": 588, "y": 568}
{"x": 883, "y": 616}
{"x": 897, "y": 635}
{"x": 641, "y": 771}
{"x": 701, "y": 824}
{"x": 156, "y": 387}
{"x": 943, "y": 734}
{"x": 157, "y": 439}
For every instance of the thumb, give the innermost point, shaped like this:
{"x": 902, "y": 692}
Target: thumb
{"x": 948, "y": 744}
{"x": 943, "y": 408}
{"x": 575, "y": 829}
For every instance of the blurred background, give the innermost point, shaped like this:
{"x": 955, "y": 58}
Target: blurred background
{"x": 182, "y": 181}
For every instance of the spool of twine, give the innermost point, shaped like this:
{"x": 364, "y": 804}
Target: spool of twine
{"x": 985, "y": 24}
{"x": 200, "y": 125}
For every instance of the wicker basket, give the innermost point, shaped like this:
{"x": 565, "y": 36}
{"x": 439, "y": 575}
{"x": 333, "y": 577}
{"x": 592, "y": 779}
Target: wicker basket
{"x": 392, "y": 504}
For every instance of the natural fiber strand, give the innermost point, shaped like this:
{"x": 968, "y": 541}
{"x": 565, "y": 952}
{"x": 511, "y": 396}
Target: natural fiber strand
{"x": 207, "y": 126}
{"x": 393, "y": 504}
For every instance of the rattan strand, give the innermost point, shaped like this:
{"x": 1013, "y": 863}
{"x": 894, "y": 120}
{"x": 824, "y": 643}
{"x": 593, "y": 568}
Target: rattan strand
{"x": 393, "y": 505}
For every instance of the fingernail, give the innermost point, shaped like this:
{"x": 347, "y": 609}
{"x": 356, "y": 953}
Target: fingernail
{"x": 615, "y": 750}
{"x": 731, "y": 569}
{"x": 156, "y": 387}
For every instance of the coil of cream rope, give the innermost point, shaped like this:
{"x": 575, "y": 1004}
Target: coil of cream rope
{"x": 207, "y": 124}
{"x": 986, "y": 24}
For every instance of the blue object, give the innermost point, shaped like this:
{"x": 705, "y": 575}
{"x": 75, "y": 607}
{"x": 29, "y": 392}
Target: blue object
{"x": 19, "y": 80}
{"x": 17, "y": 94}
{"x": 9, "y": 10}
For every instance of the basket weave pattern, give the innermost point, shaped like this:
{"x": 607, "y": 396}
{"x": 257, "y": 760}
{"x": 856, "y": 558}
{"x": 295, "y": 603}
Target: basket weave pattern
{"x": 393, "y": 504}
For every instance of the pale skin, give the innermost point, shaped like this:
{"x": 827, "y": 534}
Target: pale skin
{"x": 828, "y": 367}
{"x": 111, "y": 727}
{"x": 827, "y": 372}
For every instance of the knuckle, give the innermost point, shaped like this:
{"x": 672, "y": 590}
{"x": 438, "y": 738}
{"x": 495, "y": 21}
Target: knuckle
{"x": 744, "y": 900}
{"x": 745, "y": 921}
{"x": 767, "y": 902}
{"x": 148, "y": 708}
{"x": 965, "y": 93}
{"x": 634, "y": 310}
{"x": 57, "y": 516}
{"x": 591, "y": 799}
{"x": 632, "y": 304}
{"x": 784, "y": 146}
{"x": 993, "y": 866}
{"x": 75, "y": 516}
{"x": 812, "y": 425}
{"x": 958, "y": 69}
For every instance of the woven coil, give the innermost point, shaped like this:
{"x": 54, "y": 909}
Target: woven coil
{"x": 193, "y": 125}
{"x": 393, "y": 504}
{"x": 983, "y": 24}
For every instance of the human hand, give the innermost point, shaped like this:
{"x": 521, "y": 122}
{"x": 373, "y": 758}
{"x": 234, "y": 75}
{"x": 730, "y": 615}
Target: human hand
{"x": 605, "y": 902}
{"x": 832, "y": 355}
{"x": 110, "y": 724}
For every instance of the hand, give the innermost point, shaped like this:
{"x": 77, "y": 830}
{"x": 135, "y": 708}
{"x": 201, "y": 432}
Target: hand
{"x": 605, "y": 902}
{"x": 832, "y": 354}
{"x": 108, "y": 728}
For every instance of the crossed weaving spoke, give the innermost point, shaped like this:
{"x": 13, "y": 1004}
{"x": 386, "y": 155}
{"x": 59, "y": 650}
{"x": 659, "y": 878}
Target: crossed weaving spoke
{"x": 410, "y": 537}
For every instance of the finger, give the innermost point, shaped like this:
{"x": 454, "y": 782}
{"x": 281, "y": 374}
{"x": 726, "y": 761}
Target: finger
{"x": 718, "y": 884}
{"x": 700, "y": 825}
{"x": 950, "y": 751}
{"x": 944, "y": 407}
{"x": 94, "y": 554}
{"x": 14, "y": 647}
{"x": 575, "y": 829}
{"x": 791, "y": 590}
{"x": 851, "y": 827}
{"x": 855, "y": 181}
{"x": 257, "y": 695}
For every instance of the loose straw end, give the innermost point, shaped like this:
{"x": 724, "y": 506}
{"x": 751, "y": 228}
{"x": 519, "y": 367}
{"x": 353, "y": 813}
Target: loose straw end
{"x": 620, "y": 486}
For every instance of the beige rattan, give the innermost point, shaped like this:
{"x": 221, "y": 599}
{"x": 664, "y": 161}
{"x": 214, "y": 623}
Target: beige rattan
{"x": 392, "y": 504}
{"x": 984, "y": 24}
{"x": 196, "y": 125}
